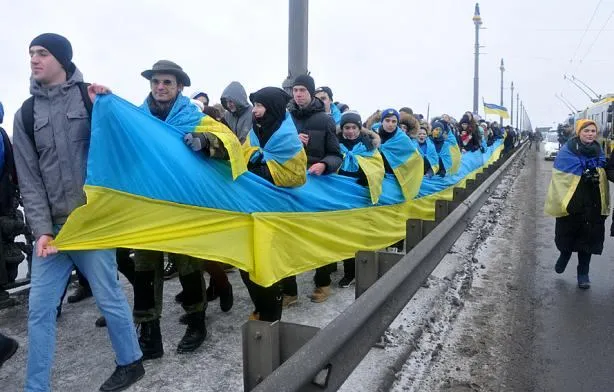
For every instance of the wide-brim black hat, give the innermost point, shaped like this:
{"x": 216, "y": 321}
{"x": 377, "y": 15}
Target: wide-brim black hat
{"x": 166, "y": 66}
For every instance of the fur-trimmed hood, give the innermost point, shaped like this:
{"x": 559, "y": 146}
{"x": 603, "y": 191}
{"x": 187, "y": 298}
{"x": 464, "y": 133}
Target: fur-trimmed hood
{"x": 412, "y": 124}
{"x": 369, "y": 138}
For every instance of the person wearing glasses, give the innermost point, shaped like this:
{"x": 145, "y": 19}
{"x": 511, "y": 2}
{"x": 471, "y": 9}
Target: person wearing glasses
{"x": 166, "y": 103}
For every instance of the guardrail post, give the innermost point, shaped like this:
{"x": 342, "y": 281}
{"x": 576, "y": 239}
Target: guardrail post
{"x": 427, "y": 227}
{"x": 370, "y": 266}
{"x": 441, "y": 210}
{"x": 470, "y": 186}
{"x": 366, "y": 271}
{"x": 413, "y": 233}
{"x": 260, "y": 351}
{"x": 267, "y": 345}
{"x": 458, "y": 195}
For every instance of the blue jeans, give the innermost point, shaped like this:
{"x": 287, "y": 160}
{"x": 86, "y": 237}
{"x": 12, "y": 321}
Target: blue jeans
{"x": 49, "y": 276}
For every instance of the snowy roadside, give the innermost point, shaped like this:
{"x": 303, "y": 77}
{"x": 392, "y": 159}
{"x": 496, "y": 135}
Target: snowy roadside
{"x": 416, "y": 337}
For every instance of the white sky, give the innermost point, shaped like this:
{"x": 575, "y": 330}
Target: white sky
{"x": 373, "y": 54}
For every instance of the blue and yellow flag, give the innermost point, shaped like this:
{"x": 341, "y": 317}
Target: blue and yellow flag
{"x": 566, "y": 173}
{"x": 371, "y": 163}
{"x": 283, "y": 153}
{"x": 491, "y": 108}
{"x": 146, "y": 190}
{"x": 450, "y": 154}
{"x": 405, "y": 161}
{"x": 430, "y": 155}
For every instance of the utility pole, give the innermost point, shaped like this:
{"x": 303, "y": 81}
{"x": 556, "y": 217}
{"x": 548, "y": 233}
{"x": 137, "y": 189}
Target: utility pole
{"x": 512, "y": 107}
{"x": 298, "y": 28}
{"x": 517, "y": 110}
{"x": 521, "y": 116}
{"x": 502, "y": 68}
{"x": 477, "y": 21}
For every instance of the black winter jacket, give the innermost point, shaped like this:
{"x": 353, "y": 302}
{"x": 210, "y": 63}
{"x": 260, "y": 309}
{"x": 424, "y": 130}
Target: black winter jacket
{"x": 323, "y": 145}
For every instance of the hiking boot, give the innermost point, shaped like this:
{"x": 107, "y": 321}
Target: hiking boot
{"x": 79, "y": 294}
{"x": 195, "y": 334}
{"x": 289, "y": 300}
{"x": 254, "y": 316}
{"x": 6, "y": 301}
{"x": 150, "y": 340}
{"x": 584, "y": 282}
{"x": 320, "y": 294}
{"x": 101, "y": 322}
{"x": 179, "y": 297}
{"x": 346, "y": 281}
{"x": 212, "y": 293}
{"x": 124, "y": 376}
{"x": 170, "y": 271}
{"x": 8, "y": 347}
{"x": 226, "y": 299}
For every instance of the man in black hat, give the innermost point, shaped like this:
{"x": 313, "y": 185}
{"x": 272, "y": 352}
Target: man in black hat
{"x": 167, "y": 81}
{"x": 317, "y": 131}
{"x": 51, "y": 140}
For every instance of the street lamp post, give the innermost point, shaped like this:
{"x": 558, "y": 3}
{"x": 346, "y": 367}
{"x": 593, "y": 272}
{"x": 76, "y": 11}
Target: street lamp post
{"x": 477, "y": 21}
{"x": 298, "y": 28}
{"x": 512, "y": 106}
{"x": 502, "y": 68}
{"x": 518, "y": 110}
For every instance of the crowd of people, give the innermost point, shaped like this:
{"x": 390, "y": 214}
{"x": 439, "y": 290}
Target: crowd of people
{"x": 286, "y": 137}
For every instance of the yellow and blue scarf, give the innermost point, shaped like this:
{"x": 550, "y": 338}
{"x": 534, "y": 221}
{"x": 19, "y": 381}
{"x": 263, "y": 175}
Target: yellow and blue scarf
{"x": 283, "y": 154}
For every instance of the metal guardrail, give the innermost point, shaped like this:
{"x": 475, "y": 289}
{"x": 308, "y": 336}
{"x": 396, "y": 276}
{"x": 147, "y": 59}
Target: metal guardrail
{"x": 328, "y": 356}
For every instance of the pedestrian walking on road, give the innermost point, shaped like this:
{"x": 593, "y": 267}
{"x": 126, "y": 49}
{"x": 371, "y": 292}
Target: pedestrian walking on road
{"x": 578, "y": 197}
{"x": 51, "y": 138}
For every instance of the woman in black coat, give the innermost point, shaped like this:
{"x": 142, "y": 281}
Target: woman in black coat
{"x": 580, "y": 223}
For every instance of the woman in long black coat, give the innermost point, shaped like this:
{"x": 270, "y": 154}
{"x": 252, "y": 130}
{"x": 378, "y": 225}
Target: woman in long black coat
{"x": 580, "y": 220}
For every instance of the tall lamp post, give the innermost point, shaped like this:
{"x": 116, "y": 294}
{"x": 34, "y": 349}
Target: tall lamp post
{"x": 502, "y": 68}
{"x": 518, "y": 110}
{"x": 297, "y": 41}
{"x": 477, "y": 21}
{"x": 512, "y": 107}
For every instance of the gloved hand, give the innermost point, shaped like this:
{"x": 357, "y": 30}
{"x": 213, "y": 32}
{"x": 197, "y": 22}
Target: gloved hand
{"x": 196, "y": 141}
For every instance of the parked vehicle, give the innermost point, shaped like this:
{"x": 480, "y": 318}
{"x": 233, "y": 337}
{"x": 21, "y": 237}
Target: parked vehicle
{"x": 551, "y": 145}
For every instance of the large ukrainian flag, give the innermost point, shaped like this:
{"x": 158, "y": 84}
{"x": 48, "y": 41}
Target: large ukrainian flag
{"x": 147, "y": 190}
{"x": 566, "y": 173}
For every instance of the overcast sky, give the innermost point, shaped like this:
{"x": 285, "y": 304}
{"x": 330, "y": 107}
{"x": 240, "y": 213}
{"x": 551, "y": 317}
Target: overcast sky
{"x": 373, "y": 54}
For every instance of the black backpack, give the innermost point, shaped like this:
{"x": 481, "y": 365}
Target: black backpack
{"x": 27, "y": 111}
{"x": 8, "y": 180}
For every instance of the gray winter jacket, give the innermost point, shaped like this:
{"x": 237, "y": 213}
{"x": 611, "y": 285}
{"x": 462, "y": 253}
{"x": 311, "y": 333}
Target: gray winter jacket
{"x": 52, "y": 172}
{"x": 241, "y": 120}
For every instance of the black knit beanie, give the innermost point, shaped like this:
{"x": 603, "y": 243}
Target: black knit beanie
{"x": 307, "y": 82}
{"x": 58, "y": 46}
